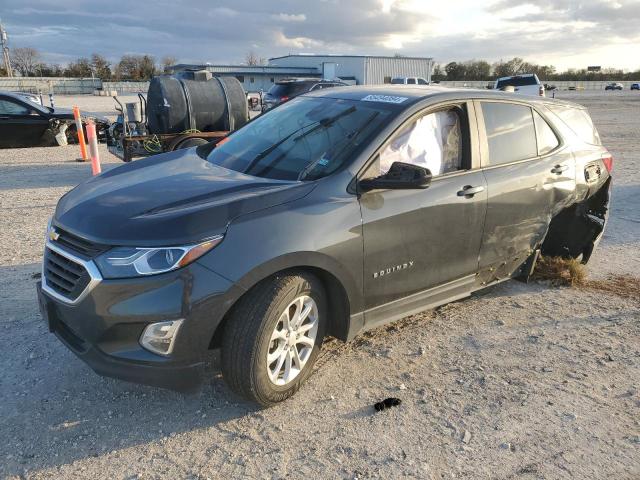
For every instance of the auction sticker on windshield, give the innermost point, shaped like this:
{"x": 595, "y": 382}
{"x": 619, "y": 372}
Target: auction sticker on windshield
{"x": 384, "y": 98}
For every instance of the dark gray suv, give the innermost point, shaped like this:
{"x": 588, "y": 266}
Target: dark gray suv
{"x": 337, "y": 212}
{"x": 285, "y": 90}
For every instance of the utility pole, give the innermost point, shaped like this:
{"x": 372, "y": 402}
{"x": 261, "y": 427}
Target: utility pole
{"x": 5, "y": 51}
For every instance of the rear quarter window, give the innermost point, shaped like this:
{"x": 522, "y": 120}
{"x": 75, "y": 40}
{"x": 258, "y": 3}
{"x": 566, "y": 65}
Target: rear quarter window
{"x": 547, "y": 140}
{"x": 511, "y": 134}
{"x": 579, "y": 121}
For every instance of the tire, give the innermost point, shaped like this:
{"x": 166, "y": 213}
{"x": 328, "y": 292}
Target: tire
{"x": 249, "y": 338}
{"x": 191, "y": 142}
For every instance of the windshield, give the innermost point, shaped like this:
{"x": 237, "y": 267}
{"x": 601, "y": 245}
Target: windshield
{"x": 304, "y": 139}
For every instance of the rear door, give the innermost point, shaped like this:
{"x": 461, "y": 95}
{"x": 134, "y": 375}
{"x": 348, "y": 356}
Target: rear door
{"x": 20, "y": 125}
{"x": 529, "y": 175}
{"x": 419, "y": 244}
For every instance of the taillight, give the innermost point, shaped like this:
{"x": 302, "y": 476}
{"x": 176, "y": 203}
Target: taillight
{"x": 607, "y": 159}
{"x": 541, "y": 91}
{"x": 284, "y": 99}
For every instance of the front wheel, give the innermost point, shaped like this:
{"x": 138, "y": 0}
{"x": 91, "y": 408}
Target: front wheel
{"x": 273, "y": 337}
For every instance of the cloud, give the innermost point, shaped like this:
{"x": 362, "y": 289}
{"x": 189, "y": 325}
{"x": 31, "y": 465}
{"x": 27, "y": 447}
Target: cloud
{"x": 564, "y": 32}
{"x": 289, "y": 17}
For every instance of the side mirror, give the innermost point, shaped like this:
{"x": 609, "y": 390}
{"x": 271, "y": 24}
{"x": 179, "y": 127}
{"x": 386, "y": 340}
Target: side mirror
{"x": 401, "y": 176}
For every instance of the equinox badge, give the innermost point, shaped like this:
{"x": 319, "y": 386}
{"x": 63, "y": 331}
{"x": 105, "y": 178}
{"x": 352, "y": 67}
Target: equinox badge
{"x": 395, "y": 268}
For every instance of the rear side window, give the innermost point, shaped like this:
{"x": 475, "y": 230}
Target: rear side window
{"x": 517, "y": 82}
{"x": 8, "y": 107}
{"x": 579, "y": 121}
{"x": 397, "y": 81}
{"x": 511, "y": 135}
{"x": 411, "y": 81}
{"x": 547, "y": 140}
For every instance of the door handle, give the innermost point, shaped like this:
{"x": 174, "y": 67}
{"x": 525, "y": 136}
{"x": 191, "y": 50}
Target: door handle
{"x": 558, "y": 169}
{"x": 469, "y": 191}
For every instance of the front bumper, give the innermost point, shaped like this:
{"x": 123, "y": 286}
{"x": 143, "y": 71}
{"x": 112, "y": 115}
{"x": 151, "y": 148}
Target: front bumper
{"x": 103, "y": 327}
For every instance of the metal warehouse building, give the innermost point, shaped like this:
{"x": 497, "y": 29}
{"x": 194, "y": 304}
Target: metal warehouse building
{"x": 353, "y": 69}
{"x": 364, "y": 69}
{"x": 253, "y": 78}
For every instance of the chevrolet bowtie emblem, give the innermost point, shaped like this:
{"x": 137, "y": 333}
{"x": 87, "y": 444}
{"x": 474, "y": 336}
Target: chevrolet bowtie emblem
{"x": 53, "y": 235}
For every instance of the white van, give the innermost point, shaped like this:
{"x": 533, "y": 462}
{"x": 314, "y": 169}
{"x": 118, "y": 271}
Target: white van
{"x": 526, "y": 84}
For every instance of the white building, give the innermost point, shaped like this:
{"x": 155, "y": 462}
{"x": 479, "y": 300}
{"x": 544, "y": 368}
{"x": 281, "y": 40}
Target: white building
{"x": 352, "y": 69}
{"x": 364, "y": 69}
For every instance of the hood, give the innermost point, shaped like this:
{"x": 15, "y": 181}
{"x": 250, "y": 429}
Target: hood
{"x": 171, "y": 199}
{"x": 67, "y": 114}
{"x": 62, "y": 113}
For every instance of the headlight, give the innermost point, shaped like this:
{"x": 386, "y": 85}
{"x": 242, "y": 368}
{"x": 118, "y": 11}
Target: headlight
{"x": 123, "y": 262}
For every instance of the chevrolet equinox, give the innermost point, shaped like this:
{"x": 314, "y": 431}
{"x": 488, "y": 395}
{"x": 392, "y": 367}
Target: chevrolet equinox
{"x": 334, "y": 213}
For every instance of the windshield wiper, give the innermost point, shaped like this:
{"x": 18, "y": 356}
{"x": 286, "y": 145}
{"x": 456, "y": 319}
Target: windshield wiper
{"x": 311, "y": 165}
{"x": 325, "y": 122}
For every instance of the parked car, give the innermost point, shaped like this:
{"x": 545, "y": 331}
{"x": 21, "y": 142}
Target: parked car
{"x": 285, "y": 90}
{"x": 635, "y": 86}
{"x": 614, "y": 86}
{"x": 525, "y": 84}
{"x": 24, "y": 123}
{"x": 409, "y": 81}
{"x": 337, "y": 212}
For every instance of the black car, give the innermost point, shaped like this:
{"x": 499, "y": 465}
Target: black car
{"x": 285, "y": 90}
{"x": 337, "y": 212}
{"x": 614, "y": 86}
{"x": 24, "y": 123}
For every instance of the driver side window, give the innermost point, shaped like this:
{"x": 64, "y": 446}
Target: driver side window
{"x": 433, "y": 141}
{"x": 7, "y": 107}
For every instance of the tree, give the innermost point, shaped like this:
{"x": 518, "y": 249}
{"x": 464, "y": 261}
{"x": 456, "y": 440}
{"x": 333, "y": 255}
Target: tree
{"x": 168, "y": 61}
{"x": 81, "y": 68}
{"x": 477, "y": 70}
{"x": 147, "y": 67}
{"x": 438, "y": 74}
{"x": 25, "y": 60}
{"x": 252, "y": 59}
{"x": 101, "y": 67}
{"x": 455, "y": 71}
{"x": 135, "y": 67}
{"x": 52, "y": 70}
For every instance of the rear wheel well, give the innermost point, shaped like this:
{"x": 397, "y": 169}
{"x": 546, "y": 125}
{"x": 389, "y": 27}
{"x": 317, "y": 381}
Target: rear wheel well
{"x": 337, "y": 303}
{"x": 573, "y": 232}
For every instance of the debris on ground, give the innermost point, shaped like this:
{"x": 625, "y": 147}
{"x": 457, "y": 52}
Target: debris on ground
{"x": 560, "y": 271}
{"x": 387, "y": 403}
{"x": 625, "y": 286}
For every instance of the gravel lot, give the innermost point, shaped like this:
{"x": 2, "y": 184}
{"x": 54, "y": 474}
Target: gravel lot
{"x": 520, "y": 381}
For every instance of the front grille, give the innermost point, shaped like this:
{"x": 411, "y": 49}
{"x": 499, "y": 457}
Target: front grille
{"x": 64, "y": 276}
{"x": 79, "y": 245}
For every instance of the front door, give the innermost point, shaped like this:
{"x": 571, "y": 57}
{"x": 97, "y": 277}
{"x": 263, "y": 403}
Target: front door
{"x": 422, "y": 241}
{"x": 20, "y": 126}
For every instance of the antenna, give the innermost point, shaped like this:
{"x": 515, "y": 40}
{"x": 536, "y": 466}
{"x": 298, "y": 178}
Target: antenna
{"x": 5, "y": 51}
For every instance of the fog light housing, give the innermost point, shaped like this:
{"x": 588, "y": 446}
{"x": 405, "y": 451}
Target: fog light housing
{"x": 160, "y": 337}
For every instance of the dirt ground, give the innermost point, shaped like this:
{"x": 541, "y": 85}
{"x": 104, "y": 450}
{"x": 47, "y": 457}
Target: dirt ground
{"x": 519, "y": 381}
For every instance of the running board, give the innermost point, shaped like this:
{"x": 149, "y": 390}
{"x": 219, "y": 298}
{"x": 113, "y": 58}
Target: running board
{"x": 418, "y": 302}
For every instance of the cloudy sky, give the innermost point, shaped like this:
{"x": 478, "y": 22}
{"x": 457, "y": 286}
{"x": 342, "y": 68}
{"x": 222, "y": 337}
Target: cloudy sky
{"x": 564, "y": 33}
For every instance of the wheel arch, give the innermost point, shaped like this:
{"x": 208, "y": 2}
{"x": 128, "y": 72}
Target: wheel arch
{"x": 342, "y": 295}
